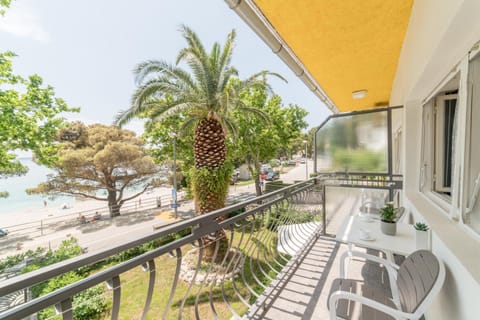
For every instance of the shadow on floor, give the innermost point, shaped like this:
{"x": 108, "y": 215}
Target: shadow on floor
{"x": 299, "y": 289}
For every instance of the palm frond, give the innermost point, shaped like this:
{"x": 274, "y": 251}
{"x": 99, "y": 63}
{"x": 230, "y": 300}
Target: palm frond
{"x": 193, "y": 41}
{"x": 170, "y": 110}
{"x": 149, "y": 67}
{"x": 257, "y": 112}
{"x": 138, "y": 105}
{"x": 191, "y": 121}
{"x": 230, "y": 127}
{"x": 224, "y": 67}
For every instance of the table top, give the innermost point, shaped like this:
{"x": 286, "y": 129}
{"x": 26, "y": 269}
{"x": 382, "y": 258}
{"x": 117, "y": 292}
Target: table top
{"x": 402, "y": 243}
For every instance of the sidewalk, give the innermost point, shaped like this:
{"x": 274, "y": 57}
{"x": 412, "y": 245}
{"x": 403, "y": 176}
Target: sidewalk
{"x": 109, "y": 232}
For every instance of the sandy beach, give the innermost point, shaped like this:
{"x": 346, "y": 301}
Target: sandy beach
{"x": 48, "y": 226}
{"x": 75, "y": 207}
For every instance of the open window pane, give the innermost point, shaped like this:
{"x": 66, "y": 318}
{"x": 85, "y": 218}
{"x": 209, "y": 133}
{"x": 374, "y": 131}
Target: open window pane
{"x": 445, "y": 126}
{"x": 472, "y": 216}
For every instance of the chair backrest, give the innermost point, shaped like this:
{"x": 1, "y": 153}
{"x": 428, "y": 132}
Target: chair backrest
{"x": 420, "y": 277}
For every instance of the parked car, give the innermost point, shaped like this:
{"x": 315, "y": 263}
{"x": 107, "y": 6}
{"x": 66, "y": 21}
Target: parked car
{"x": 272, "y": 175}
{"x": 266, "y": 168}
{"x": 3, "y": 233}
{"x": 302, "y": 161}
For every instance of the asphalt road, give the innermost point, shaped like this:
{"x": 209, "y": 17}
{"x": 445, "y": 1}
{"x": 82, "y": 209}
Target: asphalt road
{"x": 110, "y": 232}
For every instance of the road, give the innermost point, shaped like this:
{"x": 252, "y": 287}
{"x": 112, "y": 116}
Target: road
{"x": 111, "y": 232}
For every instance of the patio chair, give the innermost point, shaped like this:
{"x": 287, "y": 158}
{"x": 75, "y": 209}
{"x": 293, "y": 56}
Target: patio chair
{"x": 413, "y": 284}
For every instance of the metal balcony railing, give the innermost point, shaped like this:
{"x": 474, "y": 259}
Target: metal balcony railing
{"x": 214, "y": 266}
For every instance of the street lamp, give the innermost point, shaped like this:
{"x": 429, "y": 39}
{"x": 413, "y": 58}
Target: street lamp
{"x": 174, "y": 190}
{"x": 306, "y": 159}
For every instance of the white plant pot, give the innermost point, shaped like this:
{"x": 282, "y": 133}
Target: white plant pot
{"x": 422, "y": 239}
{"x": 388, "y": 228}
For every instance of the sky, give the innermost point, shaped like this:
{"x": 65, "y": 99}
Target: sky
{"x": 87, "y": 49}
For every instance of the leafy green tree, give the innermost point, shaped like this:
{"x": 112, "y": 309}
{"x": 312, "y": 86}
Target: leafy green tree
{"x": 4, "y": 4}
{"x": 260, "y": 140}
{"x": 98, "y": 159}
{"x": 29, "y": 118}
{"x": 159, "y": 136}
{"x": 310, "y": 137}
{"x": 89, "y": 304}
{"x": 206, "y": 96}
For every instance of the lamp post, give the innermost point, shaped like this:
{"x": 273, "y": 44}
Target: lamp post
{"x": 306, "y": 159}
{"x": 174, "y": 190}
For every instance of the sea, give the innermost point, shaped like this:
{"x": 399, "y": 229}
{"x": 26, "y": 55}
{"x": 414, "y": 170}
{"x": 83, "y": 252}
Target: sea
{"x": 19, "y": 200}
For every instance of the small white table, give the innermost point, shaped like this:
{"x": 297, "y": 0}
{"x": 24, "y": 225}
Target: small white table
{"x": 402, "y": 243}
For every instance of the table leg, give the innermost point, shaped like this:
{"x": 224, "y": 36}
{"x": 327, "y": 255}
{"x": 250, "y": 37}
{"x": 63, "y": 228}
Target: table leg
{"x": 389, "y": 255}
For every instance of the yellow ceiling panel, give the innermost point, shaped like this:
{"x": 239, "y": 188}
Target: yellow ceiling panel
{"x": 347, "y": 45}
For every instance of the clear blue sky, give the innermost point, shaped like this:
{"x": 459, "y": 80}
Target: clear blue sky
{"x": 87, "y": 49}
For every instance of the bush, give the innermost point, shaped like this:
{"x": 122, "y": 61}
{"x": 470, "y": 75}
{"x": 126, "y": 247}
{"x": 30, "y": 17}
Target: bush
{"x": 359, "y": 160}
{"x": 88, "y": 304}
{"x": 287, "y": 216}
{"x": 14, "y": 260}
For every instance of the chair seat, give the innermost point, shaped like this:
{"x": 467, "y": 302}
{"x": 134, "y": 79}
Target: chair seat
{"x": 347, "y": 309}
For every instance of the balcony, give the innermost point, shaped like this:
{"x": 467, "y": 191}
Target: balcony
{"x": 278, "y": 259}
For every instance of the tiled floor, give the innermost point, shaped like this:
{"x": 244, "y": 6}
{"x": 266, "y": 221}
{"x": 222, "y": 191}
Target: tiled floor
{"x": 302, "y": 293}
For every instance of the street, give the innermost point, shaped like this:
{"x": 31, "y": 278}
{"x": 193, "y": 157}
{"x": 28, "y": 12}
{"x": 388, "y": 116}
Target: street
{"x": 107, "y": 233}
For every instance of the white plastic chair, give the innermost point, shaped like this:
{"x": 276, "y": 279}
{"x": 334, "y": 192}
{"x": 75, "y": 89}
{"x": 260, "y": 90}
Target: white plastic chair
{"x": 413, "y": 284}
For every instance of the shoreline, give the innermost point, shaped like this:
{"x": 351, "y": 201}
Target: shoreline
{"x": 51, "y": 212}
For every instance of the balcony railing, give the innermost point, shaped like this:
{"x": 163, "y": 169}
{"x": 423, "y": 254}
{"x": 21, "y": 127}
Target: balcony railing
{"x": 216, "y": 265}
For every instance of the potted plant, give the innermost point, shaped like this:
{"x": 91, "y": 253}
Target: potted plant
{"x": 388, "y": 224}
{"x": 421, "y": 235}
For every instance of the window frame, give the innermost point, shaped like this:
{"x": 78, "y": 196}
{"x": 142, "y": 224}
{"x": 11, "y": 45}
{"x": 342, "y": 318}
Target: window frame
{"x": 439, "y": 145}
{"x": 469, "y": 195}
{"x": 428, "y": 157}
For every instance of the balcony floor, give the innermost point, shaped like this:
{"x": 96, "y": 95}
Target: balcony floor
{"x": 302, "y": 293}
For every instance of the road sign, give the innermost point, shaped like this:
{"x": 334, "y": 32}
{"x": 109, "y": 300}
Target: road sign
{"x": 173, "y": 205}
{"x": 174, "y": 194}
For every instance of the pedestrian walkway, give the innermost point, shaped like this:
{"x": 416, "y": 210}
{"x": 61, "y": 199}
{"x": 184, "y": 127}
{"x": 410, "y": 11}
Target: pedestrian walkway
{"x": 108, "y": 232}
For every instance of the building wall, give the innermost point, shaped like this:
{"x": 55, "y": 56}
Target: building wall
{"x": 440, "y": 34}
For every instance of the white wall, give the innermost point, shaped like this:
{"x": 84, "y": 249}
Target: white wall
{"x": 440, "y": 34}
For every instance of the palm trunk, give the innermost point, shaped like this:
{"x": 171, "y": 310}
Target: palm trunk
{"x": 210, "y": 155}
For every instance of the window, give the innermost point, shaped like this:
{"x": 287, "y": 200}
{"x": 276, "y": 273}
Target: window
{"x": 444, "y": 117}
{"x": 438, "y": 144}
{"x": 472, "y": 173}
{"x": 450, "y": 152}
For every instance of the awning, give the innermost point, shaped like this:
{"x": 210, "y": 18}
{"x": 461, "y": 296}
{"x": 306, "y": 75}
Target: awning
{"x": 336, "y": 47}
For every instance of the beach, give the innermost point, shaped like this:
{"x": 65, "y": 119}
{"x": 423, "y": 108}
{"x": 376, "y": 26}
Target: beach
{"x": 74, "y": 207}
{"x": 47, "y": 226}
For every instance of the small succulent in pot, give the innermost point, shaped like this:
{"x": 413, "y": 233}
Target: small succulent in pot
{"x": 421, "y": 226}
{"x": 422, "y": 236}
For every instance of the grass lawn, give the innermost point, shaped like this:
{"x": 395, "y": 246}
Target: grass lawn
{"x": 258, "y": 255}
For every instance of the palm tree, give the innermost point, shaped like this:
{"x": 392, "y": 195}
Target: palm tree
{"x": 206, "y": 95}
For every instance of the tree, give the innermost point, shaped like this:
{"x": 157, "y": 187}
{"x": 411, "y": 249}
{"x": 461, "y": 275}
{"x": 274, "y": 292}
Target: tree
{"x": 158, "y": 136}
{"x": 4, "y": 4}
{"x": 96, "y": 158}
{"x": 206, "y": 96}
{"x": 28, "y": 119}
{"x": 310, "y": 137}
{"x": 259, "y": 140}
